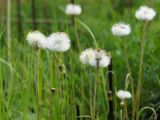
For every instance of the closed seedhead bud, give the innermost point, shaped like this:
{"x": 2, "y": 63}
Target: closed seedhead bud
{"x": 109, "y": 95}
{"x": 53, "y": 90}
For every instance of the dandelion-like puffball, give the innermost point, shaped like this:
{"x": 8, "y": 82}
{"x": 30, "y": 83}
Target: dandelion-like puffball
{"x": 101, "y": 59}
{"x": 121, "y": 29}
{"x": 59, "y": 42}
{"x": 145, "y": 13}
{"x": 72, "y": 9}
{"x": 95, "y": 58}
{"x": 123, "y": 94}
{"x": 36, "y": 39}
{"x": 87, "y": 55}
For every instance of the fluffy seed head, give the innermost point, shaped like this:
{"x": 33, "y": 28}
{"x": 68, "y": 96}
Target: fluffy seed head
{"x": 36, "y": 39}
{"x": 121, "y": 29}
{"x": 87, "y": 55}
{"x": 145, "y": 13}
{"x": 95, "y": 57}
{"x": 59, "y": 42}
{"x": 101, "y": 59}
{"x": 72, "y": 9}
{"x": 123, "y": 94}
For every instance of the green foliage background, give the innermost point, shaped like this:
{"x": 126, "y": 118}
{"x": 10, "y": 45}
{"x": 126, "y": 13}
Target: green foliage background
{"x": 17, "y": 98}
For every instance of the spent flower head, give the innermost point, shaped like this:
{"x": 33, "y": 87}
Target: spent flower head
{"x": 95, "y": 58}
{"x": 59, "y": 42}
{"x": 87, "y": 55}
{"x": 145, "y": 13}
{"x": 121, "y": 29}
{"x": 72, "y": 9}
{"x": 36, "y": 39}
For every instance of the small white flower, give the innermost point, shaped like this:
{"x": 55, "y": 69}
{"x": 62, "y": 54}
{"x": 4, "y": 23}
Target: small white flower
{"x": 121, "y": 29}
{"x": 145, "y": 13}
{"x": 95, "y": 58}
{"x": 72, "y": 9}
{"x": 36, "y": 39}
{"x": 59, "y": 42}
{"x": 87, "y": 55}
{"x": 123, "y": 94}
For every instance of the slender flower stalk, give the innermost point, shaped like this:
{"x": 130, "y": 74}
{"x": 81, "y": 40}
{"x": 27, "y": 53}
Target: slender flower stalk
{"x": 121, "y": 30}
{"x": 73, "y": 10}
{"x": 123, "y": 95}
{"x": 140, "y": 72}
{"x": 96, "y": 58}
{"x": 38, "y": 41}
{"x": 60, "y": 42}
{"x": 34, "y": 14}
{"x": 9, "y": 29}
{"x": 146, "y": 14}
{"x": 38, "y": 83}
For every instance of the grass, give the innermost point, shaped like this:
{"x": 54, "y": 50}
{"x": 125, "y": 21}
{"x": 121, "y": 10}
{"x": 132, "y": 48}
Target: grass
{"x": 18, "y": 86}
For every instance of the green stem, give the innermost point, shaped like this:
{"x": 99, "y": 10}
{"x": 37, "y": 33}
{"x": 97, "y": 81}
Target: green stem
{"x": 38, "y": 83}
{"x": 129, "y": 71}
{"x": 140, "y": 72}
{"x": 77, "y": 37}
{"x": 90, "y": 32}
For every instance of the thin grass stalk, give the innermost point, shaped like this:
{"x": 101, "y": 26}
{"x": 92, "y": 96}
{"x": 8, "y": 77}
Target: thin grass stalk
{"x": 104, "y": 88}
{"x": 38, "y": 81}
{"x": 110, "y": 92}
{"x": 33, "y": 14}
{"x": 19, "y": 21}
{"x": 2, "y": 97}
{"x": 72, "y": 88}
{"x": 146, "y": 108}
{"x": 91, "y": 93}
{"x": 140, "y": 72}
{"x": 129, "y": 71}
{"x": 95, "y": 95}
{"x": 61, "y": 85}
{"x": 95, "y": 44}
{"x": 77, "y": 37}
{"x": 9, "y": 29}
{"x": 125, "y": 111}
{"x": 121, "y": 115}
